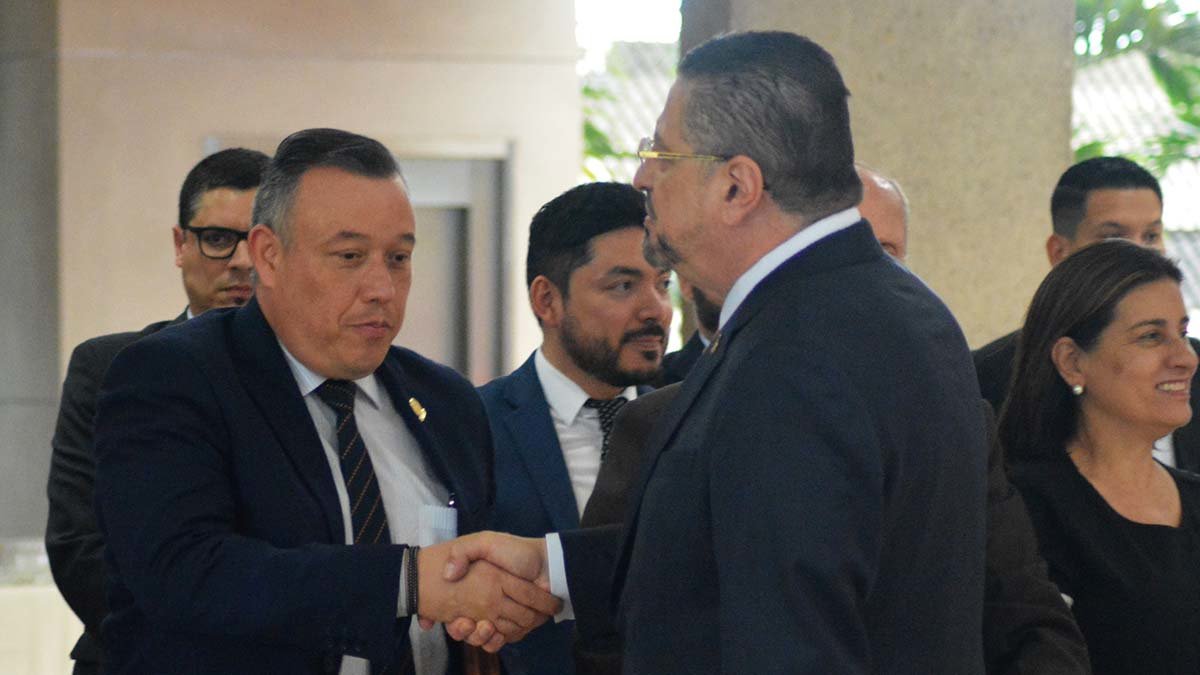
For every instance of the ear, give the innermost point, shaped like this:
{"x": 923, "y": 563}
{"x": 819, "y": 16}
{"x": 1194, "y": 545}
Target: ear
{"x": 1067, "y": 358}
{"x": 546, "y": 301}
{"x": 266, "y": 252}
{"x": 1057, "y": 248}
{"x": 179, "y": 236}
{"x": 742, "y": 186}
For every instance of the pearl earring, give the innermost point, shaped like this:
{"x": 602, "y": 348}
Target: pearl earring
{"x": 1077, "y": 390}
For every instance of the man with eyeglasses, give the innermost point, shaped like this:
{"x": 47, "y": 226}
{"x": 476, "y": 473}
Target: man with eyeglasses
{"x": 813, "y": 499}
{"x": 214, "y": 216}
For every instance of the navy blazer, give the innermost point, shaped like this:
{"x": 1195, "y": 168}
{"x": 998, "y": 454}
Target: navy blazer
{"x": 225, "y": 537}
{"x": 533, "y": 496}
{"x": 813, "y": 498}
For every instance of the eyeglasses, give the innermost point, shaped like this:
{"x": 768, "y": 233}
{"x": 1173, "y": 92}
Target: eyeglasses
{"x": 645, "y": 151}
{"x": 218, "y": 243}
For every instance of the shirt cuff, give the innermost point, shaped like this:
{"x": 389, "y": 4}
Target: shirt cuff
{"x": 558, "y": 577}
{"x": 402, "y": 601}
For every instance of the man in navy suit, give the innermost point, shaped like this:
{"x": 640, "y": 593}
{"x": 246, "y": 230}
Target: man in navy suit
{"x": 214, "y": 217}
{"x": 604, "y": 311}
{"x": 813, "y": 498}
{"x": 260, "y": 469}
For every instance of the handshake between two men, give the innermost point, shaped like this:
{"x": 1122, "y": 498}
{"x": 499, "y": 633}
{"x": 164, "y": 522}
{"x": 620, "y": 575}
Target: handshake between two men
{"x": 488, "y": 588}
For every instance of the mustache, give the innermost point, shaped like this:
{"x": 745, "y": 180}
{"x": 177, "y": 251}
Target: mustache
{"x": 649, "y": 330}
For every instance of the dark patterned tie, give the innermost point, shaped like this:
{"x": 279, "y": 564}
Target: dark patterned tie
{"x": 368, "y": 519}
{"x": 607, "y": 410}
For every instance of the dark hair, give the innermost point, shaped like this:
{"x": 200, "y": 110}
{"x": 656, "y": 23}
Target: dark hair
{"x": 561, "y": 232}
{"x": 234, "y": 168}
{"x": 1068, "y": 204}
{"x": 1077, "y": 299}
{"x": 778, "y": 99}
{"x": 310, "y": 149}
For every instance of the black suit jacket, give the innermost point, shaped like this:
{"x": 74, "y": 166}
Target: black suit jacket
{"x": 994, "y": 363}
{"x": 73, "y": 541}
{"x": 224, "y": 532}
{"x": 677, "y": 364}
{"x": 813, "y": 498}
{"x": 1027, "y": 628}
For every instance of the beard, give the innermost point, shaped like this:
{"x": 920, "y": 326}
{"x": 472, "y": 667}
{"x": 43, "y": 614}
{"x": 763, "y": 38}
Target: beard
{"x": 708, "y": 313}
{"x": 602, "y": 361}
{"x": 659, "y": 252}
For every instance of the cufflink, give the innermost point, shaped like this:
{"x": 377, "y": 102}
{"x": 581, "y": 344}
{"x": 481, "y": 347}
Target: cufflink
{"x": 417, "y": 409}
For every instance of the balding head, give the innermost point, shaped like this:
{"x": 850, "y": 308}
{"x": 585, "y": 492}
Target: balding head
{"x": 886, "y": 209}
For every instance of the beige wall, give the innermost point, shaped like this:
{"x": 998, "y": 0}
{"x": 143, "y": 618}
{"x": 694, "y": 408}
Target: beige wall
{"x": 145, "y": 83}
{"x": 967, "y": 104}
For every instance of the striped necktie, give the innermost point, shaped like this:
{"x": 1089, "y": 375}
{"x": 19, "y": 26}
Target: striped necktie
{"x": 368, "y": 518}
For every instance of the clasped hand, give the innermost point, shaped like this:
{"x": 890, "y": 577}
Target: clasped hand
{"x": 489, "y": 588}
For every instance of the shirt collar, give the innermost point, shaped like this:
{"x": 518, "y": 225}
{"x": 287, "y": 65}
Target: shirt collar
{"x": 308, "y": 381}
{"x": 780, "y": 254}
{"x": 565, "y": 397}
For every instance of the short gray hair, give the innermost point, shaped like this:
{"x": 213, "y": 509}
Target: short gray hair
{"x": 778, "y": 99}
{"x": 310, "y": 149}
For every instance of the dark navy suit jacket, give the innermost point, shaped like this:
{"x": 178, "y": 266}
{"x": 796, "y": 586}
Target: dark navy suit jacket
{"x": 533, "y": 497}
{"x": 813, "y": 498}
{"x": 224, "y": 531}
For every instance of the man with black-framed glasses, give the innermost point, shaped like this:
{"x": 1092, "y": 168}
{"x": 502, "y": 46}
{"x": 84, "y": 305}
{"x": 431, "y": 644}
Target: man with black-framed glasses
{"x": 214, "y": 217}
{"x": 215, "y": 203}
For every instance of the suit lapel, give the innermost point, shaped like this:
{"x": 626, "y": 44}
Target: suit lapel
{"x": 403, "y": 398}
{"x": 850, "y": 246}
{"x": 656, "y": 442}
{"x": 264, "y": 373}
{"x": 531, "y": 434}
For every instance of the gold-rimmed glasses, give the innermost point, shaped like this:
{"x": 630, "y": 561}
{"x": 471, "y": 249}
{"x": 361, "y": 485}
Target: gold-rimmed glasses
{"x": 646, "y": 151}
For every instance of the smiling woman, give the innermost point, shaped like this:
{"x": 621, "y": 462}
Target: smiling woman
{"x": 1104, "y": 368}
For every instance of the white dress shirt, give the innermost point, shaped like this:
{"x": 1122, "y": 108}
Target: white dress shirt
{"x": 578, "y": 428}
{"x": 405, "y": 485}
{"x": 738, "y": 293}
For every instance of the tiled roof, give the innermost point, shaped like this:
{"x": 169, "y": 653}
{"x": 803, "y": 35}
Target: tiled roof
{"x": 1118, "y": 101}
{"x": 634, "y": 90}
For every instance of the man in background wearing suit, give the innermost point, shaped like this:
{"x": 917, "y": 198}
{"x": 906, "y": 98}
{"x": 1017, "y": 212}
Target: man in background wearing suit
{"x": 214, "y": 217}
{"x": 1027, "y": 628}
{"x": 1099, "y": 198}
{"x": 259, "y": 467}
{"x": 813, "y": 498}
{"x": 604, "y": 311}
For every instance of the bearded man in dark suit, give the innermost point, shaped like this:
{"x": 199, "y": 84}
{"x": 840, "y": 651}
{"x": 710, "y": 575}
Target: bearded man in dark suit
{"x": 813, "y": 499}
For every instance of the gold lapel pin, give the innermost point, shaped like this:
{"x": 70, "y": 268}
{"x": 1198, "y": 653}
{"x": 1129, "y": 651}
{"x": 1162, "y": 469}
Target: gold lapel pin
{"x": 417, "y": 409}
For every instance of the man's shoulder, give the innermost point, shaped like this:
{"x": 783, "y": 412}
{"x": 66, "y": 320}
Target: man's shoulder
{"x": 1001, "y": 349}
{"x": 102, "y": 349}
{"x": 501, "y": 387}
{"x": 426, "y": 372}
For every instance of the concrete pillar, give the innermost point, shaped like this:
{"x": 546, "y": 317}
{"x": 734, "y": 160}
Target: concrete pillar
{"x": 968, "y": 105}
{"x": 29, "y": 373}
